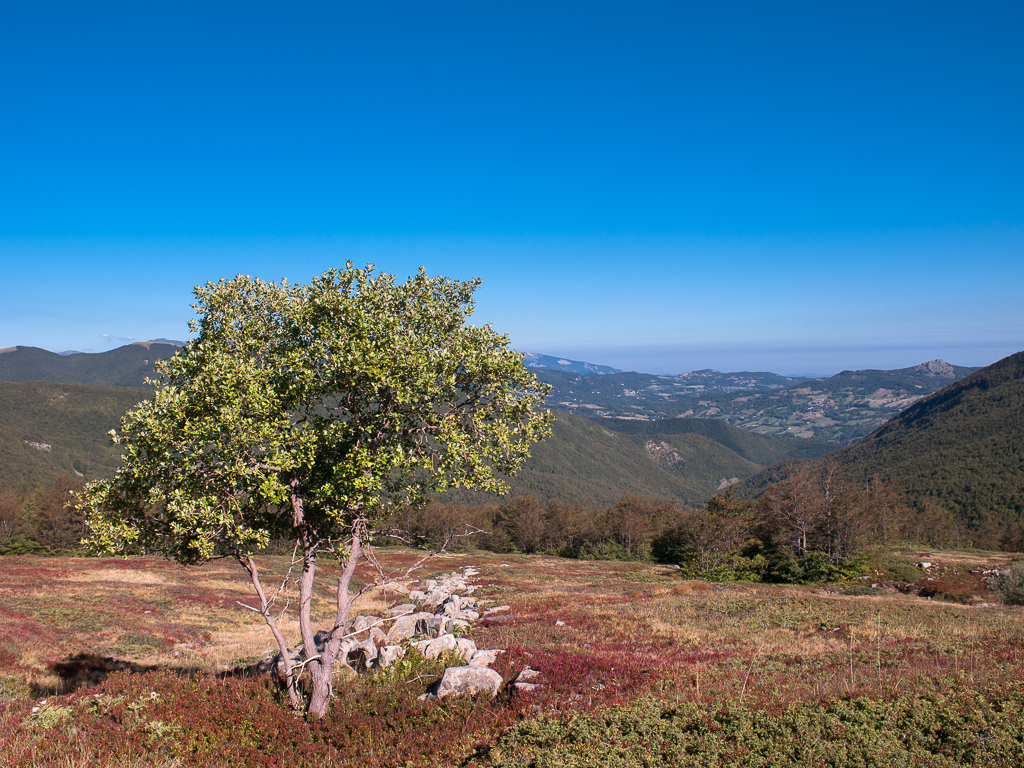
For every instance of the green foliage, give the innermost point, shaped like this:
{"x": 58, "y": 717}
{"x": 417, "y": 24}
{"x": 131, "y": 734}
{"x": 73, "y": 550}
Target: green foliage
{"x": 347, "y": 395}
{"x": 713, "y": 543}
{"x": 310, "y": 412}
{"x": 820, "y": 566}
{"x": 47, "y": 716}
{"x": 1009, "y": 585}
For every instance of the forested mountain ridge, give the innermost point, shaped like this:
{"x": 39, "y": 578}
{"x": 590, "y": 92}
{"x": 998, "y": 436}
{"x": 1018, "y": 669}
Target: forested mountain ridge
{"x": 962, "y": 447}
{"x": 750, "y": 445}
{"x": 127, "y": 366}
{"x": 842, "y": 408}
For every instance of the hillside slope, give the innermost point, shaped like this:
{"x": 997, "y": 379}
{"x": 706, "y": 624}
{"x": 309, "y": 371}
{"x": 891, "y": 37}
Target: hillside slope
{"x": 48, "y": 429}
{"x": 752, "y": 446}
{"x": 126, "y": 366}
{"x": 586, "y": 462}
{"x": 963, "y": 446}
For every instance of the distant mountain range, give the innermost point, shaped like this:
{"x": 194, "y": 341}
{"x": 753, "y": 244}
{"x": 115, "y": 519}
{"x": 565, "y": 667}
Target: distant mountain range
{"x": 842, "y": 408}
{"x": 48, "y": 428}
{"x": 533, "y": 360}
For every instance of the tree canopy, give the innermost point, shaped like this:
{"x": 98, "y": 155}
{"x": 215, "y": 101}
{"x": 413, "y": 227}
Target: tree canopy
{"x": 312, "y": 410}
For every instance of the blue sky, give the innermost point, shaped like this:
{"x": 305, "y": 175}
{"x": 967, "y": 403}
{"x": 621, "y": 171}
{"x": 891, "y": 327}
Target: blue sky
{"x": 796, "y": 187}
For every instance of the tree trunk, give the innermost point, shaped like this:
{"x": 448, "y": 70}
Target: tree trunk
{"x": 323, "y": 673}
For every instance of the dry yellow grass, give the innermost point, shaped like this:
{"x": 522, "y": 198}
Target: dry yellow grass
{"x": 117, "y": 576}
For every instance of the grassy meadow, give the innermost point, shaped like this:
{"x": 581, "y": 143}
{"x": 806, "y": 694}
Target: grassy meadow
{"x": 141, "y": 662}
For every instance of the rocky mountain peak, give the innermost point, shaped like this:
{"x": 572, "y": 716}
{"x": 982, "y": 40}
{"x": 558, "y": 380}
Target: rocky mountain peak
{"x": 939, "y": 368}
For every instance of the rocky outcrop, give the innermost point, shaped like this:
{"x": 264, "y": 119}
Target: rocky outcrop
{"x": 431, "y": 613}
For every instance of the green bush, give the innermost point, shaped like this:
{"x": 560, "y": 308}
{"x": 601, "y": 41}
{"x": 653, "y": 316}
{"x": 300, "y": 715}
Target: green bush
{"x": 1009, "y": 585}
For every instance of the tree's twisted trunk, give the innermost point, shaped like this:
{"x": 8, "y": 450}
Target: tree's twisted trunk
{"x": 323, "y": 672}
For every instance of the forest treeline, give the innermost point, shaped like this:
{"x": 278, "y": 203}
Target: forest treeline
{"x": 810, "y": 526}
{"x": 807, "y": 527}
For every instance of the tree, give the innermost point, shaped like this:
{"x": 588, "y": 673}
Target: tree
{"x": 634, "y": 521}
{"x": 522, "y": 519}
{"x": 313, "y": 411}
{"x": 58, "y": 521}
{"x": 709, "y": 543}
{"x": 11, "y": 514}
{"x": 812, "y": 526}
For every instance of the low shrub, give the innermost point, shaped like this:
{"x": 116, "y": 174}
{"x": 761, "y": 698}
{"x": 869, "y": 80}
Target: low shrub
{"x": 947, "y": 728}
{"x": 1009, "y": 585}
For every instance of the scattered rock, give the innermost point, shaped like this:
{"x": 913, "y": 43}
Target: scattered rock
{"x": 464, "y": 681}
{"x": 431, "y": 649}
{"x": 362, "y": 655}
{"x": 527, "y": 680}
{"x": 444, "y": 604}
{"x": 389, "y": 654}
{"x": 406, "y": 627}
{"x": 485, "y": 658}
{"x": 363, "y": 623}
{"x": 465, "y": 647}
{"x": 435, "y": 626}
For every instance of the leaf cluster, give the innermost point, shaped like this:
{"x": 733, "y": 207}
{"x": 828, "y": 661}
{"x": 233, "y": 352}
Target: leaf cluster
{"x": 314, "y": 404}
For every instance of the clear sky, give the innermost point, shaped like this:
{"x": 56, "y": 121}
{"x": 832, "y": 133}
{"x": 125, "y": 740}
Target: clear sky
{"x": 795, "y": 187}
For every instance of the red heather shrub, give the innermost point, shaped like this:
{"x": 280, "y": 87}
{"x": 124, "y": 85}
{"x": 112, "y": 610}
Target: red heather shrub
{"x": 388, "y": 726}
